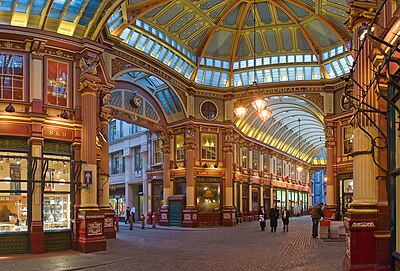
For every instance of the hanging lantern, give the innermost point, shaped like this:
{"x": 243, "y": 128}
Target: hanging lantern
{"x": 240, "y": 109}
{"x": 265, "y": 114}
{"x": 259, "y": 104}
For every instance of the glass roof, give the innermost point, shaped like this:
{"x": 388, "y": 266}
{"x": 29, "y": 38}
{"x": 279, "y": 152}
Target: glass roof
{"x": 283, "y": 131}
{"x": 213, "y": 41}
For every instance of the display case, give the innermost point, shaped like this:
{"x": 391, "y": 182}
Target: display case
{"x": 56, "y": 212}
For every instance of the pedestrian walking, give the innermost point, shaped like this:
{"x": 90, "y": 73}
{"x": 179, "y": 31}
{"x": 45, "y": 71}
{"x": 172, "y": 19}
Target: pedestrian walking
{"x": 316, "y": 215}
{"x": 273, "y": 217}
{"x": 261, "y": 217}
{"x": 127, "y": 214}
{"x": 285, "y": 219}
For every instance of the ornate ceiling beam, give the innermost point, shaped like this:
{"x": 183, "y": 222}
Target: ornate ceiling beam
{"x": 45, "y": 14}
{"x": 207, "y": 39}
{"x": 137, "y": 11}
{"x": 235, "y": 43}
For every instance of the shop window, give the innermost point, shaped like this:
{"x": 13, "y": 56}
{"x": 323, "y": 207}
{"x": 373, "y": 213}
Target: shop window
{"x": 208, "y": 197}
{"x": 245, "y": 197}
{"x": 13, "y": 195}
{"x": 279, "y": 167}
{"x": 138, "y": 162}
{"x": 208, "y": 147}
{"x": 11, "y": 77}
{"x": 57, "y": 82}
{"x": 157, "y": 193}
{"x": 255, "y": 161}
{"x": 244, "y": 157}
{"x": 157, "y": 153}
{"x": 348, "y": 140}
{"x": 346, "y": 195}
{"x": 255, "y": 198}
{"x": 180, "y": 150}
{"x": 56, "y": 194}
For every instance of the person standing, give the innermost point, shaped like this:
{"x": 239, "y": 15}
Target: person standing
{"x": 273, "y": 217}
{"x": 285, "y": 219}
{"x": 133, "y": 211}
{"x": 316, "y": 215}
{"x": 261, "y": 217}
{"x": 127, "y": 214}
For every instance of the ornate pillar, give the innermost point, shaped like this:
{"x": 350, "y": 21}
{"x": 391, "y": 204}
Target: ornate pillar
{"x": 228, "y": 211}
{"x": 103, "y": 186}
{"x": 144, "y": 152}
{"x": 190, "y": 211}
{"x": 367, "y": 232}
{"x": 330, "y": 182}
{"x": 36, "y": 227}
{"x": 91, "y": 218}
{"x": 166, "y": 142}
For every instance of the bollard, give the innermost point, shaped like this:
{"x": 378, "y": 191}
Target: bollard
{"x": 131, "y": 222}
{"x": 116, "y": 222}
{"x": 143, "y": 219}
{"x": 154, "y": 220}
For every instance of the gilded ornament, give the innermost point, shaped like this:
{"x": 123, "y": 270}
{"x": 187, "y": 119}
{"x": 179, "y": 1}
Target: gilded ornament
{"x": 89, "y": 84}
{"x": 88, "y": 65}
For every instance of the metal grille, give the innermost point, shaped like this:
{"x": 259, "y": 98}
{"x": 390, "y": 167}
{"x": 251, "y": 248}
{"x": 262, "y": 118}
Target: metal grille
{"x": 55, "y": 241}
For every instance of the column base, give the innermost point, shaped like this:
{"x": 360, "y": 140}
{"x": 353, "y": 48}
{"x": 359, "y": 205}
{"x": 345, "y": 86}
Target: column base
{"x": 190, "y": 218}
{"x": 228, "y": 216}
{"x": 365, "y": 244}
{"x": 37, "y": 237}
{"x": 110, "y": 229}
{"x": 91, "y": 231}
{"x": 164, "y": 219}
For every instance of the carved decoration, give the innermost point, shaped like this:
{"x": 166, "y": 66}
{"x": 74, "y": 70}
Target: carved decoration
{"x": 119, "y": 65}
{"x": 88, "y": 65}
{"x": 360, "y": 10}
{"x": 107, "y": 100}
{"x": 108, "y": 222}
{"x": 189, "y": 134}
{"x": 189, "y": 146}
{"x": 317, "y": 99}
{"x": 95, "y": 228}
{"x": 10, "y": 45}
{"x": 37, "y": 49}
{"x": 328, "y": 132}
{"x": 363, "y": 225}
{"x": 90, "y": 85}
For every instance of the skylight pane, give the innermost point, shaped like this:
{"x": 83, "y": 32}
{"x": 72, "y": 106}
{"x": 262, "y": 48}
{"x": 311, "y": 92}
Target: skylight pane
{"x": 179, "y": 65}
{"x": 185, "y": 66}
{"x": 299, "y": 73}
{"x": 316, "y": 73}
{"x": 168, "y": 58}
{"x": 350, "y": 60}
{"x": 199, "y": 76}
{"x": 218, "y": 63}
{"x": 337, "y": 68}
{"x": 149, "y": 46}
{"x": 267, "y": 60}
{"x": 237, "y": 80}
{"x": 325, "y": 55}
{"x": 307, "y": 58}
{"x": 243, "y": 64}
{"x": 207, "y": 78}
{"x": 290, "y": 58}
{"x": 156, "y": 50}
{"x": 133, "y": 39}
{"x": 168, "y": 98}
{"x": 308, "y": 73}
{"x": 236, "y": 65}
{"x": 329, "y": 70}
{"x": 267, "y": 74}
{"x": 274, "y": 60}
{"x": 174, "y": 61}
{"x": 283, "y": 74}
{"x": 259, "y": 61}
{"x": 226, "y": 65}
{"x": 162, "y": 54}
{"x": 163, "y": 102}
{"x": 344, "y": 65}
{"x": 215, "y": 80}
{"x": 275, "y": 75}
{"x": 210, "y": 62}
{"x": 203, "y": 61}
{"x": 189, "y": 71}
{"x": 299, "y": 58}
{"x": 142, "y": 41}
{"x": 260, "y": 76}
{"x": 176, "y": 101}
{"x": 250, "y": 63}
{"x": 332, "y": 52}
{"x": 125, "y": 33}
{"x": 292, "y": 74}
{"x": 340, "y": 49}
{"x": 224, "y": 80}
{"x": 282, "y": 59}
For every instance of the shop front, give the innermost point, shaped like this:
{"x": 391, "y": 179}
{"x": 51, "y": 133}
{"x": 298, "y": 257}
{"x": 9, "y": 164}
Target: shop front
{"x": 118, "y": 200}
{"x": 209, "y": 203}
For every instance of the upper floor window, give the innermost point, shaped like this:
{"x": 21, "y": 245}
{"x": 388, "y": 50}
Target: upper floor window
{"x": 57, "y": 82}
{"x": 208, "y": 147}
{"x": 180, "y": 151}
{"x": 279, "y": 167}
{"x": 348, "y": 140}
{"x": 265, "y": 163}
{"x": 138, "y": 162}
{"x": 209, "y": 110}
{"x": 115, "y": 163}
{"x": 255, "y": 160}
{"x": 11, "y": 77}
{"x": 157, "y": 153}
{"x": 244, "y": 157}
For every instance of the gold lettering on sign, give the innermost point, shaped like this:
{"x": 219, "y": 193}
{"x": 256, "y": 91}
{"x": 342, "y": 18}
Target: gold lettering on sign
{"x": 57, "y": 133}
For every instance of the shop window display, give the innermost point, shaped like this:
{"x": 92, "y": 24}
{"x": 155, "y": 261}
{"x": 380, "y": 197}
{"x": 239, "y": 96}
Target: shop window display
{"x": 56, "y": 194}
{"x": 57, "y": 88}
{"x": 208, "y": 197}
{"x": 13, "y": 192}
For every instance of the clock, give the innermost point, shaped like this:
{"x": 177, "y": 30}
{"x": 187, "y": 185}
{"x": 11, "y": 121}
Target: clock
{"x": 136, "y": 101}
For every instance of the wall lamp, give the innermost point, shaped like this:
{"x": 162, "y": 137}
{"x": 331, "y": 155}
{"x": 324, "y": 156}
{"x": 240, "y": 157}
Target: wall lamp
{"x": 216, "y": 165}
{"x": 10, "y": 108}
{"x": 205, "y": 165}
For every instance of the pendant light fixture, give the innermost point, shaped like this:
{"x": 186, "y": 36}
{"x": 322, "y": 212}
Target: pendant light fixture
{"x": 259, "y": 104}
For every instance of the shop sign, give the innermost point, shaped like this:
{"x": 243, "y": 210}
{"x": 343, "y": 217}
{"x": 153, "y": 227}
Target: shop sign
{"x": 344, "y": 169}
{"x": 57, "y": 133}
{"x": 209, "y": 173}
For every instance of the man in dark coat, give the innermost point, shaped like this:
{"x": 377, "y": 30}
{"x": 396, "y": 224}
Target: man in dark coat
{"x": 273, "y": 216}
{"x": 316, "y": 215}
{"x": 285, "y": 219}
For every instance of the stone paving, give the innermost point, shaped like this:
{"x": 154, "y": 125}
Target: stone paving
{"x": 243, "y": 247}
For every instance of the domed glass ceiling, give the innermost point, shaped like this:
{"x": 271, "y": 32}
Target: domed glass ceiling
{"x": 212, "y": 41}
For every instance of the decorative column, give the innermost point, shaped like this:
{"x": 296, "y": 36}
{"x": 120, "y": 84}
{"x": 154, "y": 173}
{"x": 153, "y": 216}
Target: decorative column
{"x": 330, "y": 182}
{"x": 166, "y": 142}
{"x": 103, "y": 186}
{"x": 367, "y": 223}
{"x": 91, "y": 218}
{"x": 190, "y": 211}
{"x": 144, "y": 152}
{"x": 228, "y": 211}
{"x": 36, "y": 228}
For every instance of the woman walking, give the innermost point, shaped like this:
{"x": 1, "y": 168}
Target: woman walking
{"x": 273, "y": 216}
{"x": 285, "y": 219}
{"x": 261, "y": 217}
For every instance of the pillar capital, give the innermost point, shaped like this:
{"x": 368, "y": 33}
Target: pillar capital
{"x": 360, "y": 11}
{"x": 89, "y": 86}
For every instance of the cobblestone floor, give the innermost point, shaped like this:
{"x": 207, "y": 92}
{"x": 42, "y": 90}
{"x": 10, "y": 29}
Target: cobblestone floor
{"x": 243, "y": 247}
